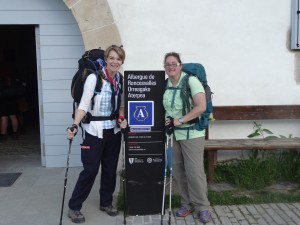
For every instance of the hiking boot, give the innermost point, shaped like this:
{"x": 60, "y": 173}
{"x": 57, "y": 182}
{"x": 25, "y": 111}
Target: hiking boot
{"x": 184, "y": 211}
{"x": 110, "y": 210}
{"x": 204, "y": 216}
{"x": 76, "y": 216}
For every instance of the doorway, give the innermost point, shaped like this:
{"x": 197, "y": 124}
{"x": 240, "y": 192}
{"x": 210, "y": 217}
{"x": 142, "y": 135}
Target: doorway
{"x": 18, "y": 53}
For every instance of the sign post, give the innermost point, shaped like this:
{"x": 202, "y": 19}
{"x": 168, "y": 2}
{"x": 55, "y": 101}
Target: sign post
{"x": 144, "y": 147}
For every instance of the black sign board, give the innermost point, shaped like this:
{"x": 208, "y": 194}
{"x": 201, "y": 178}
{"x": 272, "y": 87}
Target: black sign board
{"x": 145, "y": 143}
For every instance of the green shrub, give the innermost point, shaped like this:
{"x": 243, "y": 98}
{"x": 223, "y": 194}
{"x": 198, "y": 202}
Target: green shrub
{"x": 261, "y": 168}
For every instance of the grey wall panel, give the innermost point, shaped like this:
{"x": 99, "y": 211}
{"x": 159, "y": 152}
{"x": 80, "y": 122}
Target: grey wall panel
{"x": 59, "y": 62}
{"x": 56, "y": 139}
{"x": 60, "y": 139}
{"x": 63, "y": 143}
{"x": 55, "y": 130}
{"x": 60, "y": 29}
{"x": 57, "y": 119}
{"x": 32, "y": 5}
{"x": 65, "y": 40}
{"x": 56, "y": 150}
{"x": 58, "y": 107}
{"x": 60, "y": 130}
{"x": 58, "y": 73}
{"x": 57, "y": 85}
{"x": 36, "y": 17}
{"x": 60, "y": 52}
{"x": 57, "y": 96}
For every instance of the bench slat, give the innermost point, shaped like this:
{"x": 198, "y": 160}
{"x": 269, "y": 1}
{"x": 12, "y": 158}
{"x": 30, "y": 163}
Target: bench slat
{"x": 257, "y": 112}
{"x": 252, "y": 144}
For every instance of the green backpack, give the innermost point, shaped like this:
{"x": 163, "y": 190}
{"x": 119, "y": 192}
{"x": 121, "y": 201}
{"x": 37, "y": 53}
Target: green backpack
{"x": 197, "y": 70}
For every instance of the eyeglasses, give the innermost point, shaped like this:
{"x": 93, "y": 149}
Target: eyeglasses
{"x": 173, "y": 65}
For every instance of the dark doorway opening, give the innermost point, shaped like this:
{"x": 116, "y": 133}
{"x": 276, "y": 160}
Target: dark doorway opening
{"x": 18, "y": 53}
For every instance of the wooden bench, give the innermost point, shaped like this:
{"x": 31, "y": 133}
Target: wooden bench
{"x": 254, "y": 113}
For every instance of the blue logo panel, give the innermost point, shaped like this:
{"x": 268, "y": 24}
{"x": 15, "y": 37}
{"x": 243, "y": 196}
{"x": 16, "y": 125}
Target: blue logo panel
{"x": 140, "y": 113}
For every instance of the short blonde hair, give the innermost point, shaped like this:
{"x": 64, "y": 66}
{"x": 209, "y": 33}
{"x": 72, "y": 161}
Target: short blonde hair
{"x": 118, "y": 49}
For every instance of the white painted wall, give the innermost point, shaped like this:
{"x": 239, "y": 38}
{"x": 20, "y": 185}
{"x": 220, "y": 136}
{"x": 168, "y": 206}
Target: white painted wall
{"x": 243, "y": 45}
{"x": 60, "y": 47}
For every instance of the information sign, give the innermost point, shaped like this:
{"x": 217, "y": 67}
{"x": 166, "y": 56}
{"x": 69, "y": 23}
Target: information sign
{"x": 145, "y": 142}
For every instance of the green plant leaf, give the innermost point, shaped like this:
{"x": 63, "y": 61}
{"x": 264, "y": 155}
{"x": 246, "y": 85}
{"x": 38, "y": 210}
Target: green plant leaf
{"x": 253, "y": 135}
{"x": 256, "y": 124}
{"x": 257, "y": 131}
{"x": 267, "y": 131}
{"x": 282, "y": 136}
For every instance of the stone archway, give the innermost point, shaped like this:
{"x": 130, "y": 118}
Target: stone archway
{"x": 95, "y": 22}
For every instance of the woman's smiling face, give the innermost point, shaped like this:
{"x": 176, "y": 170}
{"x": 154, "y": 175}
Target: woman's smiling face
{"x": 113, "y": 62}
{"x": 172, "y": 66}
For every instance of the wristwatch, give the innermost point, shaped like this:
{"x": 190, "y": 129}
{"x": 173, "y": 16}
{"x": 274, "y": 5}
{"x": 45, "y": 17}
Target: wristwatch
{"x": 181, "y": 120}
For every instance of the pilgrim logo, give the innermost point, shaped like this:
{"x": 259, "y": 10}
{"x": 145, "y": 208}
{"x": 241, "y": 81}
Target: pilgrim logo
{"x": 140, "y": 113}
{"x": 131, "y": 160}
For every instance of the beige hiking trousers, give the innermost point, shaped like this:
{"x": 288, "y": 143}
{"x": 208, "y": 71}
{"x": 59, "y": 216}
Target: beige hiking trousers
{"x": 188, "y": 172}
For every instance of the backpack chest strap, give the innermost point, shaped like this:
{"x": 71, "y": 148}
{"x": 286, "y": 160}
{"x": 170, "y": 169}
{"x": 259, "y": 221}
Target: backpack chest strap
{"x": 174, "y": 89}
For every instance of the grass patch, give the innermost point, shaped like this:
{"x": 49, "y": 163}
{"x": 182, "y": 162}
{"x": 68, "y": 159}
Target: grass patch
{"x": 260, "y": 169}
{"x": 255, "y": 197}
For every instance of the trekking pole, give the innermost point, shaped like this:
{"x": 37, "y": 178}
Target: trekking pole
{"x": 171, "y": 174}
{"x": 165, "y": 180}
{"x": 124, "y": 174}
{"x": 65, "y": 183}
{"x": 123, "y": 131}
{"x": 169, "y": 131}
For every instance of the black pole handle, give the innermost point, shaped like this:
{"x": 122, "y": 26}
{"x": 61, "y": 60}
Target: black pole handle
{"x": 170, "y": 127}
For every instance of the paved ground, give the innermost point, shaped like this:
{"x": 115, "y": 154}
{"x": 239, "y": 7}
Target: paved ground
{"x": 36, "y": 197}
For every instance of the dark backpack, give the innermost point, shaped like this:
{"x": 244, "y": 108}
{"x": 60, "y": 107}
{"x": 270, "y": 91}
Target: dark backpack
{"x": 92, "y": 61}
{"x": 197, "y": 70}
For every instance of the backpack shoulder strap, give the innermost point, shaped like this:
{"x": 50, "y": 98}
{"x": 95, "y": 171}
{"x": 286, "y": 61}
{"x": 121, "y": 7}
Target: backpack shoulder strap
{"x": 185, "y": 94}
{"x": 166, "y": 83}
{"x": 171, "y": 88}
{"x": 99, "y": 81}
{"x": 121, "y": 82}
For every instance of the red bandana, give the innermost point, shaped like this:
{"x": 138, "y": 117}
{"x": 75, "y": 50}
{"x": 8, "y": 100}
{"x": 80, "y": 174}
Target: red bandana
{"x": 108, "y": 76}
